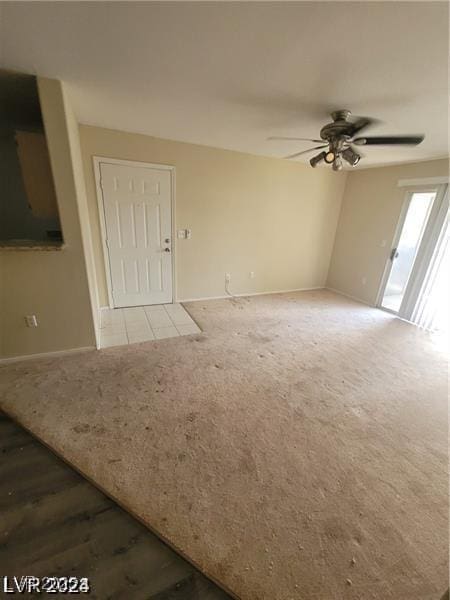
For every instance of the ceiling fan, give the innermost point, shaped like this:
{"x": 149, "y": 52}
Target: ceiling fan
{"x": 339, "y": 138}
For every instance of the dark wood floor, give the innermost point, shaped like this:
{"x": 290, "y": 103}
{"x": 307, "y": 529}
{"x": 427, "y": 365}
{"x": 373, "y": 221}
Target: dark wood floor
{"x": 54, "y": 522}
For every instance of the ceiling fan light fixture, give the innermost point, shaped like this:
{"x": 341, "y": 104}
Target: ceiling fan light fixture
{"x": 337, "y": 164}
{"x": 351, "y": 157}
{"x": 315, "y": 160}
{"x": 330, "y": 157}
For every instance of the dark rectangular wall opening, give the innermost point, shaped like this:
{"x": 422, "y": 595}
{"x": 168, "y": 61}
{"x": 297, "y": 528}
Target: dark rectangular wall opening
{"x": 28, "y": 207}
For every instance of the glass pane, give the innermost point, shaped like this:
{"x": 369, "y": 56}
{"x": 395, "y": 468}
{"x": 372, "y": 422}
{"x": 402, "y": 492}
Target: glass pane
{"x": 432, "y": 309}
{"x": 410, "y": 238}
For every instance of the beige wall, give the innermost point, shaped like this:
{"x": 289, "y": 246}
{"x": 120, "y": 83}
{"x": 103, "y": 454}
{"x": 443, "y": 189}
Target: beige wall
{"x": 52, "y": 285}
{"x": 83, "y": 213}
{"x": 247, "y": 213}
{"x": 369, "y": 215}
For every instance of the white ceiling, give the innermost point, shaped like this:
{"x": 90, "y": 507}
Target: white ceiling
{"x": 231, "y": 74}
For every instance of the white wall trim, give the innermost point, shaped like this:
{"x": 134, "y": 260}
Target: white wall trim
{"x": 308, "y": 289}
{"x": 13, "y": 359}
{"x": 97, "y": 160}
{"x": 248, "y": 294}
{"x": 422, "y": 181}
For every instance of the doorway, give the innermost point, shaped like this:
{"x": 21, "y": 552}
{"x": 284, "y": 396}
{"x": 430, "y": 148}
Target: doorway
{"x": 135, "y": 202}
{"x": 419, "y": 232}
{"x": 405, "y": 251}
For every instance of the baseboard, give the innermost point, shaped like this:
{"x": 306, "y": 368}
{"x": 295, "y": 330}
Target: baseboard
{"x": 244, "y": 295}
{"x": 13, "y": 359}
{"x": 350, "y": 297}
{"x": 310, "y": 289}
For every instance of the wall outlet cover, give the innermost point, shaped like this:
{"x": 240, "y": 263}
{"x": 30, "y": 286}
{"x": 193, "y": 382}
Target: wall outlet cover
{"x": 31, "y": 321}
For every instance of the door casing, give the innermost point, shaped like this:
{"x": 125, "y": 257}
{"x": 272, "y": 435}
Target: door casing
{"x": 97, "y": 160}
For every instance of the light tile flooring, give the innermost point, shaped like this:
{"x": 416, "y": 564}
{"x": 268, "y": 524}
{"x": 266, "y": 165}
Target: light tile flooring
{"x": 120, "y": 326}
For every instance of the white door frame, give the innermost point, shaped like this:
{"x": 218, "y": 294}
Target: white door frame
{"x": 425, "y": 252}
{"x": 97, "y": 161}
{"x": 419, "y": 266}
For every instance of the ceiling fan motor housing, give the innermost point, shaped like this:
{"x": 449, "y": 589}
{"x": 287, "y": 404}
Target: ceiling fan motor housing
{"x": 339, "y": 130}
{"x": 338, "y": 135}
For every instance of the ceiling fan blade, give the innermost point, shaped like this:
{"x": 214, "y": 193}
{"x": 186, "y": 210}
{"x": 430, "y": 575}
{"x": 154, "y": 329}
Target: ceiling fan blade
{"x": 359, "y": 124}
{"x": 389, "y": 140}
{"x": 305, "y": 151}
{"x": 295, "y": 139}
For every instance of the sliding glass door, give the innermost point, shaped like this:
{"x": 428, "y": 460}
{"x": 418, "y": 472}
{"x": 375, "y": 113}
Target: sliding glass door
{"x": 415, "y": 276}
{"x": 404, "y": 253}
{"x": 433, "y": 306}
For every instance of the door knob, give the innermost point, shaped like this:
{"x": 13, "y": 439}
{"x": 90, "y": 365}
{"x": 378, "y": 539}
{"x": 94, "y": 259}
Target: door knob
{"x": 166, "y": 249}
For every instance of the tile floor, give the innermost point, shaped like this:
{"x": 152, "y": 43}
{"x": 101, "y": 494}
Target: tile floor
{"x": 120, "y": 326}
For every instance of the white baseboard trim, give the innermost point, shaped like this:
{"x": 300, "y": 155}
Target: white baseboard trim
{"x": 13, "y": 359}
{"x": 350, "y": 297}
{"x": 309, "y": 289}
{"x": 203, "y": 298}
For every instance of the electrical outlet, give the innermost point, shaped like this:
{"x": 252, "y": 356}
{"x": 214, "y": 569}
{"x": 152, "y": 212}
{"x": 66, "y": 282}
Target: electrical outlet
{"x": 252, "y": 274}
{"x": 31, "y": 321}
{"x": 228, "y": 277}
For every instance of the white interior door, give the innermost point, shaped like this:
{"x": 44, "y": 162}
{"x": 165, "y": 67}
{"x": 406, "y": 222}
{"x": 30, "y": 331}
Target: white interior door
{"x": 138, "y": 221}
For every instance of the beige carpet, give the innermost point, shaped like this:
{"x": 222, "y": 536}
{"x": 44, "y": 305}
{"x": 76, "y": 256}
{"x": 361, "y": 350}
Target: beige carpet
{"x": 295, "y": 450}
